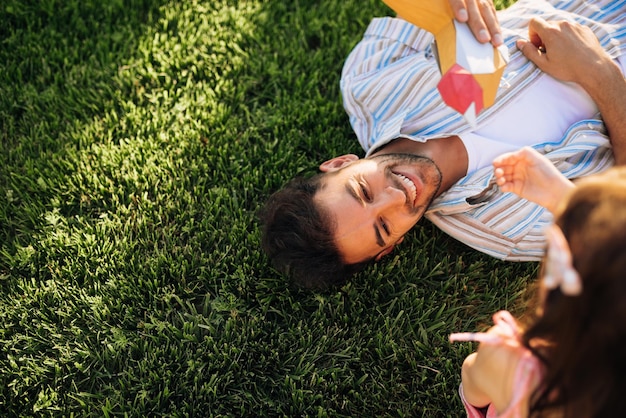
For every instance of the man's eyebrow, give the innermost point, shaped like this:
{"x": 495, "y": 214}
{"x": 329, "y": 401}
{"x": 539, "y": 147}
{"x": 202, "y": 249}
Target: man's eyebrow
{"x": 352, "y": 192}
{"x": 379, "y": 238}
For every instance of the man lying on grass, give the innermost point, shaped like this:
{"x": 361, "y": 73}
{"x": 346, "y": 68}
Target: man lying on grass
{"x": 423, "y": 159}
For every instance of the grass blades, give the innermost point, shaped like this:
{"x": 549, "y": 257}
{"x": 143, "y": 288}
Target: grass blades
{"x": 138, "y": 139}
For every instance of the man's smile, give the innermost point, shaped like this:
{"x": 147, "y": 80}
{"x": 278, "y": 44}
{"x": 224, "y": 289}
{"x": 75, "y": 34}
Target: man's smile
{"x": 410, "y": 189}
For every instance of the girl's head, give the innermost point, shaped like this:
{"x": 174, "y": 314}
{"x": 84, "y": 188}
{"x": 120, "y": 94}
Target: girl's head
{"x": 593, "y": 221}
{"x": 586, "y": 333}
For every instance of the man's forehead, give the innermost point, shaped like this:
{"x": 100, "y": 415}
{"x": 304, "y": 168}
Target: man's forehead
{"x": 353, "y": 231}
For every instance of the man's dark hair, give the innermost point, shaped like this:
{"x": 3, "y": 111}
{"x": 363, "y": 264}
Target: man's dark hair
{"x": 298, "y": 236}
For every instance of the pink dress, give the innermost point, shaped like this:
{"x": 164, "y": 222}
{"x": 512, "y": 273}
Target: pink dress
{"x": 528, "y": 373}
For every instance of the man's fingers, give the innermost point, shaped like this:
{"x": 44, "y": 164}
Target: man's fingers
{"x": 460, "y": 10}
{"x": 531, "y": 51}
{"x": 490, "y": 19}
{"x": 537, "y": 28}
{"x": 480, "y": 16}
{"x": 476, "y": 22}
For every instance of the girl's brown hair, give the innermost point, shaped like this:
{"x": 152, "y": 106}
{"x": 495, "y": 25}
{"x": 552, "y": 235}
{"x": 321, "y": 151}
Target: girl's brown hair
{"x": 583, "y": 337}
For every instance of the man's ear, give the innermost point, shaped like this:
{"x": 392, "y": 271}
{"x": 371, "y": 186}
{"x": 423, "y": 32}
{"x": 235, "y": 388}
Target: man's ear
{"x": 338, "y": 162}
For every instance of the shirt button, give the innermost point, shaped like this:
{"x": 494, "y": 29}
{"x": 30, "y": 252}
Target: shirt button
{"x": 548, "y": 148}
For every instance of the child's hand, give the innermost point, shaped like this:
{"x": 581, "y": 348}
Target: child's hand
{"x": 531, "y": 176}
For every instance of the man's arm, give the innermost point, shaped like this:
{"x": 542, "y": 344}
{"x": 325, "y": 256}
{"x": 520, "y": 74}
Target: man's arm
{"x": 571, "y": 52}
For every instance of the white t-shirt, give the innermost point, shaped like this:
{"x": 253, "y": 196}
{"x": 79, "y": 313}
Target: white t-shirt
{"x": 560, "y": 105}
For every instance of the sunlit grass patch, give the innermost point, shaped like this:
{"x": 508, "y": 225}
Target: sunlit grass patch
{"x": 138, "y": 140}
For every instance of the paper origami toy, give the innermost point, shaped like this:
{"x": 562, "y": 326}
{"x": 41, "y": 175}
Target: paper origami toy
{"x": 471, "y": 71}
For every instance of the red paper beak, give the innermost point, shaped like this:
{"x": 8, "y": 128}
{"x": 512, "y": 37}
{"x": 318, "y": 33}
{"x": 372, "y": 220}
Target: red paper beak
{"x": 459, "y": 89}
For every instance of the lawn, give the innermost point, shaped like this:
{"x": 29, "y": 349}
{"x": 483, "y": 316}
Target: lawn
{"x": 138, "y": 140}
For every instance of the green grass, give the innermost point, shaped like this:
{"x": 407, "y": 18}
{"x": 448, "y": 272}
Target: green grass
{"x": 138, "y": 139}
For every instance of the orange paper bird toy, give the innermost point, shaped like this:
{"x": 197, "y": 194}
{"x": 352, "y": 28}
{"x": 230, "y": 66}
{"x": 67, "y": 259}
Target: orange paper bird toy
{"x": 471, "y": 71}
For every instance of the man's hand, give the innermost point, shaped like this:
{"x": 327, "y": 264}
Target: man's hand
{"x": 480, "y": 15}
{"x": 571, "y": 52}
{"x": 565, "y": 50}
{"x": 531, "y": 176}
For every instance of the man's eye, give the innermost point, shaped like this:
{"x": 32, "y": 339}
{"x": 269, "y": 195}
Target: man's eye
{"x": 385, "y": 227}
{"x": 366, "y": 194}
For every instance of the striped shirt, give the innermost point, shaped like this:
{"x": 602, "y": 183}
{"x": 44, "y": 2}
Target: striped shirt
{"x": 389, "y": 89}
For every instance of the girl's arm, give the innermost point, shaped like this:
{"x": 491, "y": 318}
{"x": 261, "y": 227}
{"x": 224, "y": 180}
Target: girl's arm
{"x": 488, "y": 374}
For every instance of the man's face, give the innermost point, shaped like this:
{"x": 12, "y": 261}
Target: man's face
{"x": 376, "y": 200}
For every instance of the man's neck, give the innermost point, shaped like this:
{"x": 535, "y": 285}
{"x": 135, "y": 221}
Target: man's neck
{"x": 448, "y": 154}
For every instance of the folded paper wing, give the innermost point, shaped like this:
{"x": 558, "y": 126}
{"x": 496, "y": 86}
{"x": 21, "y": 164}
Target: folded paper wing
{"x": 431, "y": 15}
{"x": 471, "y": 71}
